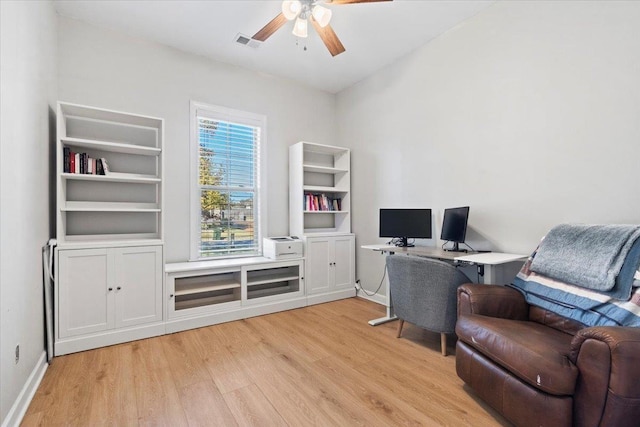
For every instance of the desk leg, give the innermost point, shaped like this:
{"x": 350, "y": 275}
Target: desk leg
{"x": 489, "y": 274}
{"x": 391, "y": 316}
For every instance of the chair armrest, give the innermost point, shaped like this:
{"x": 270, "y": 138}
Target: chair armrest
{"x": 623, "y": 346}
{"x": 493, "y": 301}
{"x": 608, "y": 358}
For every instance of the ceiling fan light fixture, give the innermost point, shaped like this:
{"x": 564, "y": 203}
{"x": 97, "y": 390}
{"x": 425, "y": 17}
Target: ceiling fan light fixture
{"x": 300, "y": 28}
{"x": 291, "y": 9}
{"x": 322, "y": 15}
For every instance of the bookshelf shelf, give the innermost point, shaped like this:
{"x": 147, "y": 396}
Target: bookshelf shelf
{"x": 322, "y": 189}
{"x": 114, "y": 177}
{"x": 109, "y": 207}
{"x": 323, "y": 169}
{"x": 326, "y": 212}
{"x": 116, "y": 147}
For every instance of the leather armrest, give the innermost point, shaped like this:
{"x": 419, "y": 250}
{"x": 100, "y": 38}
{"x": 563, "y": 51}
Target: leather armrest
{"x": 493, "y": 301}
{"x": 623, "y": 346}
{"x": 608, "y": 358}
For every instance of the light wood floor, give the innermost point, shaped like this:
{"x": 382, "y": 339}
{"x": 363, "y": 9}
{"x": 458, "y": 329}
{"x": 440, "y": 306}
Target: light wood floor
{"x": 320, "y": 365}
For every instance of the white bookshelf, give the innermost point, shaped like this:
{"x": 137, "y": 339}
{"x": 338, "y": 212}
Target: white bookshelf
{"x": 109, "y": 258}
{"x": 319, "y": 170}
{"x": 124, "y": 204}
{"x": 329, "y": 244}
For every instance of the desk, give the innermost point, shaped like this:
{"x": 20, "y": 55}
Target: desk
{"x": 485, "y": 261}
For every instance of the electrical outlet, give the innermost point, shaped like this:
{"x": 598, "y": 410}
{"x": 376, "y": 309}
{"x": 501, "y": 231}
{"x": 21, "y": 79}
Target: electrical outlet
{"x": 17, "y": 353}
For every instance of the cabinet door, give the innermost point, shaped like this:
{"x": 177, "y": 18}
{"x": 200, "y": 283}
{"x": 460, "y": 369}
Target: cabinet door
{"x": 138, "y": 285}
{"x": 85, "y": 293}
{"x": 318, "y": 272}
{"x": 343, "y": 262}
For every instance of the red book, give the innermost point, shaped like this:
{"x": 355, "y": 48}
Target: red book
{"x": 72, "y": 162}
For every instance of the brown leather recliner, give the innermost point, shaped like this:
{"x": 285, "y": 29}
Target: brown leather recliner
{"x": 540, "y": 369}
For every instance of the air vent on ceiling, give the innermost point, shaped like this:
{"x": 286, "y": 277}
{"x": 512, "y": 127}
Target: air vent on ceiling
{"x": 247, "y": 41}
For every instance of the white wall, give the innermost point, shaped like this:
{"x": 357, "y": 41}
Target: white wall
{"x": 528, "y": 112}
{"x": 108, "y": 69}
{"x": 28, "y": 83}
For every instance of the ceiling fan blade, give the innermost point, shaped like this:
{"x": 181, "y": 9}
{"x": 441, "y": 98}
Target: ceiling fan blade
{"x": 353, "y": 1}
{"x": 268, "y": 30}
{"x": 329, "y": 37}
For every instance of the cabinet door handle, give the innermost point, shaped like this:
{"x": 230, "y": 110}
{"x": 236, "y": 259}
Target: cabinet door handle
{"x": 171, "y": 296}
{"x": 118, "y": 288}
{"x": 110, "y": 289}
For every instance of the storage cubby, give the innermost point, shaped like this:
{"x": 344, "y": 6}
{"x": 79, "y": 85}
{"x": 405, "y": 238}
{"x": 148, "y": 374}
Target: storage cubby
{"x": 210, "y": 289}
{"x": 274, "y": 281}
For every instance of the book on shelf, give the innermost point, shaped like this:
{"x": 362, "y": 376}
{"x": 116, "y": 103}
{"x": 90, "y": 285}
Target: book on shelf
{"x": 72, "y": 162}
{"x": 321, "y": 203}
{"x": 105, "y": 166}
{"x": 82, "y": 163}
{"x": 66, "y": 160}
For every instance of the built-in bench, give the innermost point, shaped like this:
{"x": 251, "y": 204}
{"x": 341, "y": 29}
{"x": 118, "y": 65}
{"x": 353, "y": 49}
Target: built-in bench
{"x": 202, "y": 293}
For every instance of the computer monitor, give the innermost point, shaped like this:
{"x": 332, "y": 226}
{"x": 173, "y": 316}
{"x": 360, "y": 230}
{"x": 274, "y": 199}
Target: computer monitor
{"x": 454, "y": 226}
{"x": 404, "y": 224}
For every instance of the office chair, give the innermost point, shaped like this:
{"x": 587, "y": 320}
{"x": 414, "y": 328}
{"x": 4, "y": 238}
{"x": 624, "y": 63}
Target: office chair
{"x": 423, "y": 292}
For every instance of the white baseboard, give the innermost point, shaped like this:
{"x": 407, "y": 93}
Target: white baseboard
{"x": 377, "y": 298}
{"x": 20, "y": 406}
{"x": 331, "y": 296}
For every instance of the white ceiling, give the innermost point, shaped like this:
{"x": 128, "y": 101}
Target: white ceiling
{"x": 374, "y": 34}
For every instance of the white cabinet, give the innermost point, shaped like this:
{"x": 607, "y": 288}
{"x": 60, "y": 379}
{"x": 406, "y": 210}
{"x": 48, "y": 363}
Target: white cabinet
{"x": 85, "y": 292}
{"x": 330, "y": 267}
{"x": 204, "y": 293}
{"x": 319, "y": 212}
{"x": 103, "y": 290}
{"x": 138, "y": 285}
{"x": 109, "y": 227}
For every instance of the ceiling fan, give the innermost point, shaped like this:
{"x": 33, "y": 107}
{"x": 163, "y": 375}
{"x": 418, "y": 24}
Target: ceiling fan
{"x": 304, "y": 11}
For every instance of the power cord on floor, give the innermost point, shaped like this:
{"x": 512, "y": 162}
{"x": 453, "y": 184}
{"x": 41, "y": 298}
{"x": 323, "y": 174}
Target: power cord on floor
{"x": 384, "y": 274}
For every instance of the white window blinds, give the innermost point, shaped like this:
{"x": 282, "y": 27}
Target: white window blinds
{"x": 228, "y": 162}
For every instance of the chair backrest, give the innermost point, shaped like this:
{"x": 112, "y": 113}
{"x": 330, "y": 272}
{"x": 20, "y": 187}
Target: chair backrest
{"x": 423, "y": 291}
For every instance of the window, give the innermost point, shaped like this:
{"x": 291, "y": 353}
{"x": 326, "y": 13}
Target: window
{"x": 225, "y": 172}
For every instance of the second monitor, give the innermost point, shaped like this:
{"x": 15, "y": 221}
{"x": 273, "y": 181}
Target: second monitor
{"x": 405, "y": 224}
{"x": 454, "y": 226}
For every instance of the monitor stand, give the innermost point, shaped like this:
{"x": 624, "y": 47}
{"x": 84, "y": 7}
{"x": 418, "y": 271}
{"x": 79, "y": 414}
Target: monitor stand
{"x": 403, "y": 243}
{"x": 456, "y": 248}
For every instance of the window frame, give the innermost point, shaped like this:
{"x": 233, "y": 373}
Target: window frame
{"x": 216, "y": 112}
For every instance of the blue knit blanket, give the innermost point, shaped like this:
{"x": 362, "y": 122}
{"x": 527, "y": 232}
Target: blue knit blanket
{"x": 589, "y": 256}
{"x": 619, "y": 306}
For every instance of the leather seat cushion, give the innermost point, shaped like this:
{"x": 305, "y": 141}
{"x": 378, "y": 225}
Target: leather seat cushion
{"x": 535, "y": 353}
